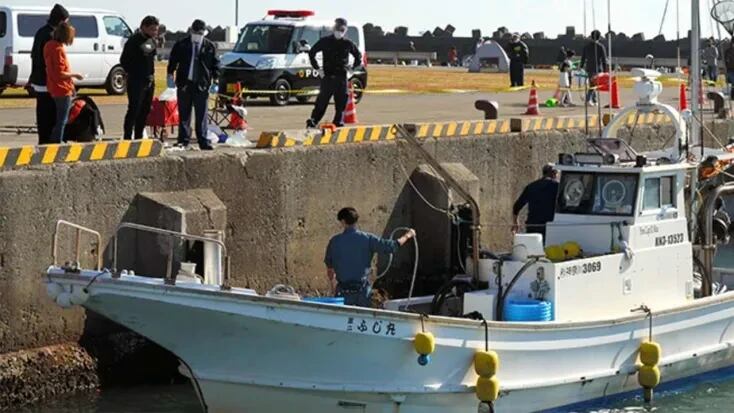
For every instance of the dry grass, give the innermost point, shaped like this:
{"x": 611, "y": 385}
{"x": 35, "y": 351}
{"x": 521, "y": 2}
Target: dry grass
{"x": 408, "y": 79}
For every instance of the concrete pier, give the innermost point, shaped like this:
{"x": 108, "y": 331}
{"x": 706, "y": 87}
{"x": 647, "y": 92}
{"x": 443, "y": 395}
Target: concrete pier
{"x": 281, "y": 207}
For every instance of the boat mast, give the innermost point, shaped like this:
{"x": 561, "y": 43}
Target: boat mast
{"x": 677, "y": 32}
{"x": 695, "y": 73}
{"x": 611, "y": 65}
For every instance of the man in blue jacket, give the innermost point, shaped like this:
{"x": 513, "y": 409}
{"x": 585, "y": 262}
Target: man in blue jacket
{"x": 195, "y": 64}
{"x": 349, "y": 258}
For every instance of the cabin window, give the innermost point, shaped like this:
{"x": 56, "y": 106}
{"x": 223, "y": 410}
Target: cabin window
{"x": 597, "y": 194}
{"x": 658, "y": 193}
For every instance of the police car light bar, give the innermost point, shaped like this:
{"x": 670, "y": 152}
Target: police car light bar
{"x": 291, "y": 13}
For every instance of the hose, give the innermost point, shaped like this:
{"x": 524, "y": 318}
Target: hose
{"x": 415, "y": 262}
{"x": 503, "y": 297}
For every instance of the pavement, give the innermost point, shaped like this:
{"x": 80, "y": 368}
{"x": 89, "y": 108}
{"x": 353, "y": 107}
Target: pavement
{"x": 374, "y": 109}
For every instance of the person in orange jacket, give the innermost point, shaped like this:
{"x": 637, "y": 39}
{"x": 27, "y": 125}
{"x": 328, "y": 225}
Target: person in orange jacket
{"x": 59, "y": 77}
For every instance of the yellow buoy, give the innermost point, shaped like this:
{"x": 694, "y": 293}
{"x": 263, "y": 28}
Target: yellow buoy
{"x": 572, "y": 249}
{"x": 648, "y": 376}
{"x": 555, "y": 253}
{"x": 650, "y": 353}
{"x": 488, "y": 389}
{"x": 424, "y": 343}
{"x": 486, "y": 363}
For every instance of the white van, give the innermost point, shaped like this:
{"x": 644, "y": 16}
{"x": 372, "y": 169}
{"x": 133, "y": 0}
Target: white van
{"x": 271, "y": 57}
{"x": 100, "y": 36}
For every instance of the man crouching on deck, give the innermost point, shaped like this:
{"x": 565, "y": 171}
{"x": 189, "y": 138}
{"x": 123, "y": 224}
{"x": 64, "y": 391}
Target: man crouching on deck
{"x": 349, "y": 258}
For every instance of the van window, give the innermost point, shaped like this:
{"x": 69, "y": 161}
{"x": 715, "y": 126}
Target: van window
{"x": 115, "y": 26}
{"x": 264, "y": 38}
{"x": 309, "y": 35}
{"x": 28, "y": 24}
{"x": 353, "y": 35}
{"x": 3, "y": 23}
{"x": 86, "y": 26}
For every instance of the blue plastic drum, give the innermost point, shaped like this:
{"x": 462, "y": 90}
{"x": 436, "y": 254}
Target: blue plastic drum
{"x": 528, "y": 311}
{"x": 325, "y": 300}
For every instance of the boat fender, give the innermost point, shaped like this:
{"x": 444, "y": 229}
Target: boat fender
{"x": 572, "y": 249}
{"x": 79, "y": 296}
{"x": 488, "y": 389}
{"x": 486, "y": 363}
{"x": 649, "y": 376}
{"x": 650, "y": 353}
{"x": 555, "y": 253}
{"x": 424, "y": 343}
{"x": 63, "y": 300}
{"x": 53, "y": 290}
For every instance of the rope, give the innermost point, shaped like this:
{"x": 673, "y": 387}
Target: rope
{"x": 665, "y": 13}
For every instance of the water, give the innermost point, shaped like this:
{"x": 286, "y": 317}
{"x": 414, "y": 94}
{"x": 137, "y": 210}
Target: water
{"x": 702, "y": 398}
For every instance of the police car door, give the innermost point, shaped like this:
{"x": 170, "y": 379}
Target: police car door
{"x": 305, "y": 77}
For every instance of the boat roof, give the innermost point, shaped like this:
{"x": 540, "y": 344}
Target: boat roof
{"x": 625, "y": 168}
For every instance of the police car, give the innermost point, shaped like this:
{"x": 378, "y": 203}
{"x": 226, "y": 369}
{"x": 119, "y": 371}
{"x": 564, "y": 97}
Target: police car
{"x": 271, "y": 60}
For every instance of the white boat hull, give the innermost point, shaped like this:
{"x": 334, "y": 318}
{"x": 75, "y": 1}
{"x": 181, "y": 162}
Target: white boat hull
{"x": 260, "y": 355}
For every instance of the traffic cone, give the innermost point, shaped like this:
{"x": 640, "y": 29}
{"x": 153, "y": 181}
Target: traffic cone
{"x": 533, "y": 108}
{"x": 683, "y": 99}
{"x": 614, "y": 95}
{"x": 350, "y": 113}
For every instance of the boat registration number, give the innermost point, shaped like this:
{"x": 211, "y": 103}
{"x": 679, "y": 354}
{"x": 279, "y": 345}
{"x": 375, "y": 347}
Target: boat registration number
{"x": 580, "y": 269}
{"x": 374, "y": 327}
{"x": 669, "y": 240}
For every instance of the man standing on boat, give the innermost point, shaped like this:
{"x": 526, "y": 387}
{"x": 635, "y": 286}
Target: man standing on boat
{"x": 540, "y": 197}
{"x": 349, "y": 258}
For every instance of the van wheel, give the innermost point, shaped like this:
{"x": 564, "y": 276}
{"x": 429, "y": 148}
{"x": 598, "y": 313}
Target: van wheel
{"x": 283, "y": 93}
{"x": 116, "y": 81}
{"x": 358, "y": 87}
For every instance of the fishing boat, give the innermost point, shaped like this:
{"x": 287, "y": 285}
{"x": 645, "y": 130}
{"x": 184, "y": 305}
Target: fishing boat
{"x": 622, "y": 299}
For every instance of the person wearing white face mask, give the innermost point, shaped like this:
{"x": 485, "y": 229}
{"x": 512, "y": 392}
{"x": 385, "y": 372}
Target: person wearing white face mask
{"x": 335, "y": 50}
{"x": 195, "y": 65}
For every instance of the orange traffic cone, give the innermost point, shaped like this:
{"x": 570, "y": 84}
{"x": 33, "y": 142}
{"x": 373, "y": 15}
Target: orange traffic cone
{"x": 533, "y": 108}
{"x": 614, "y": 95}
{"x": 350, "y": 113}
{"x": 683, "y": 99}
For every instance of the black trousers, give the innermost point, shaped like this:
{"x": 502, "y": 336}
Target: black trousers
{"x": 139, "y": 99}
{"x": 517, "y": 73}
{"x": 190, "y": 96}
{"x": 45, "y": 117}
{"x": 335, "y": 86}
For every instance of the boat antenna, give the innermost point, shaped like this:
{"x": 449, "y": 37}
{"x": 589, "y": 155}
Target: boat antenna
{"x": 695, "y": 71}
{"x": 677, "y": 31}
{"x": 611, "y": 65}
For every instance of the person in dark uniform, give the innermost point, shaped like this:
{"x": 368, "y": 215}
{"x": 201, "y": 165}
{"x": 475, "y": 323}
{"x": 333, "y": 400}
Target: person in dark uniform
{"x": 540, "y": 197}
{"x": 519, "y": 54}
{"x": 349, "y": 258}
{"x": 45, "y": 106}
{"x": 138, "y": 60}
{"x": 594, "y": 61}
{"x": 195, "y": 64}
{"x": 335, "y": 50}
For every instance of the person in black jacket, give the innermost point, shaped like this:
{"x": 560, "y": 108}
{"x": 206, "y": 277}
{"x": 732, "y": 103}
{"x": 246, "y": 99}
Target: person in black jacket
{"x": 335, "y": 50}
{"x": 540, "y": 197}
{"x": 138, "y": 60}
{"x": 45, "y": 106}
{"x": 519, "y": 55}
{"x": 594, "y": 61}
{"x": 195, "y": 65}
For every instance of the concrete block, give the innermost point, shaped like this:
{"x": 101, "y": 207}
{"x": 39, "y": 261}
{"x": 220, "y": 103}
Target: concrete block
{"x": 435, "y": 237}
{"x": 192, "y": 212}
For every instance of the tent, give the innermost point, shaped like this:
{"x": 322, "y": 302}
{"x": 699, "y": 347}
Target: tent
{"x": 490, "y": 55}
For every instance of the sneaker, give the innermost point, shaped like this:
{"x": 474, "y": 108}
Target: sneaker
{"x": 311, "y": 124}
{"x": 206, "y": 147}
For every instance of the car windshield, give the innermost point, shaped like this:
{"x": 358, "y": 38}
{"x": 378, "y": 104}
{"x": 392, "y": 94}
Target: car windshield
{"x": 597, "y": 194}
{"x": 264, "y": 38}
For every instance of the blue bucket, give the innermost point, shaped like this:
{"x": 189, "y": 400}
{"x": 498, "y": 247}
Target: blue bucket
{"x": 325, "y": 300}
{"x": 528, "y": 310}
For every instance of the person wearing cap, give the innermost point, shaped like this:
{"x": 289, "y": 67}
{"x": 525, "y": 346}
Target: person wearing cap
{"x": 349, "y": 255}
{"x": 193, "y": 69}
{"x": 335, "y": 50}
{"x": 594, "y": 61}
{"x": 540, "y": 198}
{"x": 519, "y": 54}
{"x": 45, "y": 106}
{"x": 138, "y": 60}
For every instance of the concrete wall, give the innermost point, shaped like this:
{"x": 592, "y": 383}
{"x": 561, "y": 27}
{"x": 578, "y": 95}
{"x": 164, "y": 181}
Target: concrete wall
{"x": 281, "y": 207}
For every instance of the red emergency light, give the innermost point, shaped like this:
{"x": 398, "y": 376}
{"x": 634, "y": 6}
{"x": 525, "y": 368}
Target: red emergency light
{"x": 291, "y": 13}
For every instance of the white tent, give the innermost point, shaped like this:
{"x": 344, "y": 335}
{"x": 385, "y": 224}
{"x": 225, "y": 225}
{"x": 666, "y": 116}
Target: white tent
{"x": 490, "y": 55}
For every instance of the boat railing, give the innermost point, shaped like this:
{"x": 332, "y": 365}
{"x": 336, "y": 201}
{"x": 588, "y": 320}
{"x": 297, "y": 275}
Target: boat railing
{"x": 77, "y": 242}
{"x": 168, "y": 278}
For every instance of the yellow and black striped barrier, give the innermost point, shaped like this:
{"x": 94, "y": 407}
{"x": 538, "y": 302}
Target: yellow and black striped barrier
{"x": 78, "y": 152}
{"x": 552, "y": 123}
{"x": 380, "y": 133}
